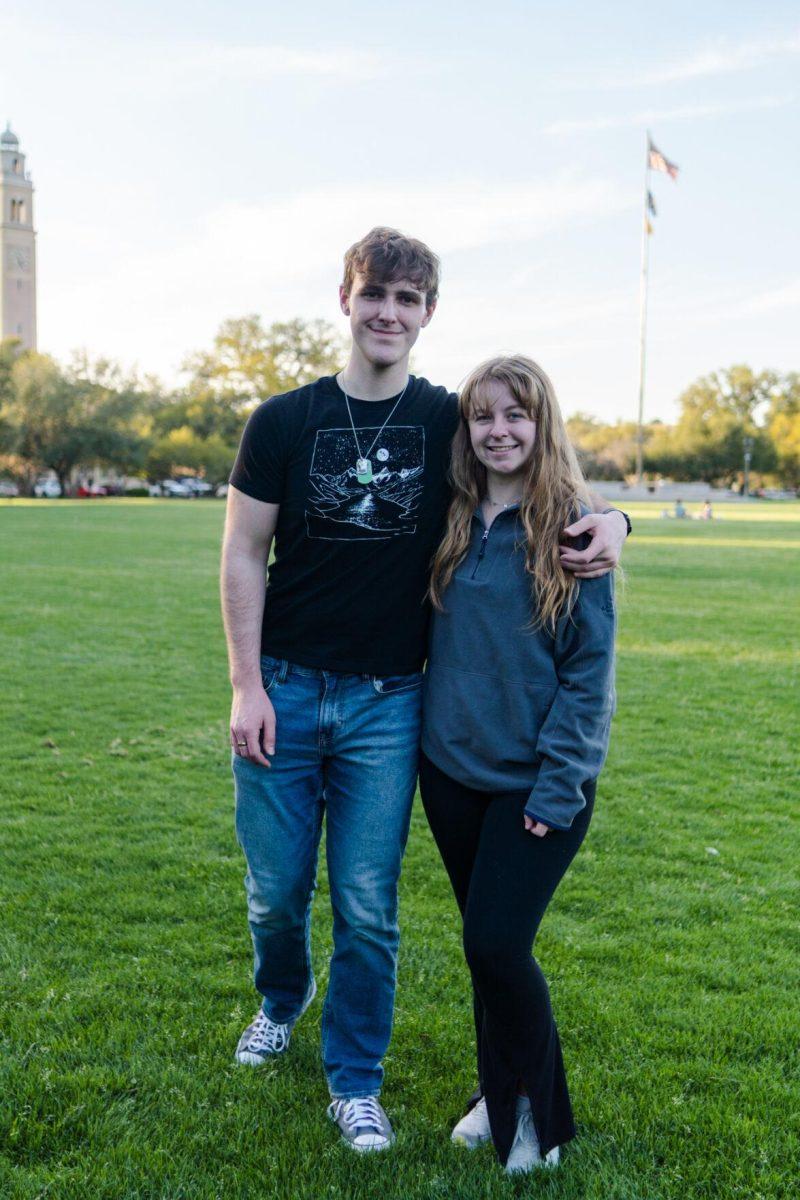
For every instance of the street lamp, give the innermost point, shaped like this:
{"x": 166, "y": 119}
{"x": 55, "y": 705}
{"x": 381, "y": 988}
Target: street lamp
{"x": 748, "y": 454}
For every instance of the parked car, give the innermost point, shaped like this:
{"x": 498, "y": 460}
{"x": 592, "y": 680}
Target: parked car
{"x": 47, "y": 489}
{"x": 222, "y": 490}
{"x": 171, "y": 487}
{"x": 91, "y": 490}
{"x": 8, "y": 489}
{"x": 198, "y": 487}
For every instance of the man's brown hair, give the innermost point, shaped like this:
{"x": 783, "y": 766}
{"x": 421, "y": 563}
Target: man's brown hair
{"x": 386, "y": 255}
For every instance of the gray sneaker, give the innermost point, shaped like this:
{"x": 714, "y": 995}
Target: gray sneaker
{"x": 363, "y": 1124}
{"x": 265, "y": 1038}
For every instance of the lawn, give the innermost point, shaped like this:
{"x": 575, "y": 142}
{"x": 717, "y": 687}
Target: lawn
{"x": 672, "y": 946}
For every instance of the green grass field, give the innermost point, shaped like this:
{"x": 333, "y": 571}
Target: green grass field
{"x": 671, "y": 948}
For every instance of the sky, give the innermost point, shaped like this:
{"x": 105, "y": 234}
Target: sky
{"x": 195, "y": 161}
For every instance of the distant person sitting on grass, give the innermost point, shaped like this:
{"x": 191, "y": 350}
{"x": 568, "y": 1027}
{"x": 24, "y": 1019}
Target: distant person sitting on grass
{"x": 517, "y": 705}
{"x": 680, "y": 510}
{"x": 348, "y": 476}
{"x": 706, "y": 513}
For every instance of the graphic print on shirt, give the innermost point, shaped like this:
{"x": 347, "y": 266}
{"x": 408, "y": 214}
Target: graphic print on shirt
{"x": 342, "y": 509}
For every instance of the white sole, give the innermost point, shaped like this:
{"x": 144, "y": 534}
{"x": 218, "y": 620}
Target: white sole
{"x": 548, "y": 1163}
{"x": 245, "y": 1059}
{"x": 367, "y": 1149}
{"x": 470, "y": 1141}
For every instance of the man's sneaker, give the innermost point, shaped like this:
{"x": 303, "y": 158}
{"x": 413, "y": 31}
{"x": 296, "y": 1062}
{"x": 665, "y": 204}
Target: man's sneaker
{"x": 265, "y": 1038}
{"x": 525, "y": 1154}
{"x": 261, "y": 1040}
{"x": 362, "y": 1122}
{"x": 473, "y": 1129}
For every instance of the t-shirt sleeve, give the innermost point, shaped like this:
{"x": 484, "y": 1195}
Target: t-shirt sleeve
{"x": 262, "y": 458}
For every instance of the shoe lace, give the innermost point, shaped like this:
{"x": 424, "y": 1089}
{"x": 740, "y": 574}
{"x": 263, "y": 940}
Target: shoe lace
{"x": 525, "y": 1131}
{"x": 362, "y": 1110}
{"x": 267, "y": 1035}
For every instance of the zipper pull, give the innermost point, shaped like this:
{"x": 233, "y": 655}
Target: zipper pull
{"x": 481, "y": 552}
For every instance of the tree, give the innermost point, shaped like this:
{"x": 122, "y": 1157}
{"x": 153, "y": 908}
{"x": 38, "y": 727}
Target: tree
{"x": 181, "y": 450}
{"x": 10, "y": 462}
{"x": 59, "y": 420}
{"x": 605, "y": 451}
{"x": 249, "y": 363}
{"x": 717, "y": 412}
{"x": 199, "y": 429}
{"x": 10, "y": 350}
{"x": 783, "y": 425}
{"x": 204, "y": 411}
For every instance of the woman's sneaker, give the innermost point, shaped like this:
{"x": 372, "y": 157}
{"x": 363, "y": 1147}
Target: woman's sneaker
{"x": 265, "y": 1038}
{"x": 525, "y": 1154}
{"x": 362, "y": 1123}
{"x": 473, "y": 1129}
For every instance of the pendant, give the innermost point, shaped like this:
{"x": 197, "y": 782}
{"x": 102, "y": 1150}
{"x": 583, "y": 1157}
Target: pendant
{"x": 363, "y": 470}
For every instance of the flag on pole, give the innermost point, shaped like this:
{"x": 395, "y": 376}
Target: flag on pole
{"x": 651, "y": 205}
{"x": 659, "y": 163}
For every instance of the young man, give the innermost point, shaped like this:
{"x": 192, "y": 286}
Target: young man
{"x": 348, "y": 475}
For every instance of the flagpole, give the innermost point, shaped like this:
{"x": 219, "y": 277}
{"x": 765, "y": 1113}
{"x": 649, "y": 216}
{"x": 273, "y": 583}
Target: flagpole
{"x": 643, "y": 319}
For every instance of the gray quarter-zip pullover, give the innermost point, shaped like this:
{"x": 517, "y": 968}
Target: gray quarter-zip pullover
{"x": 508, "y": 708}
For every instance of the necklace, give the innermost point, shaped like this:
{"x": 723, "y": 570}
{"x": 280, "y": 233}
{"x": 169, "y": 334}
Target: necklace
{"x": 363, "y": 462}
{"x": 498, "y": 504}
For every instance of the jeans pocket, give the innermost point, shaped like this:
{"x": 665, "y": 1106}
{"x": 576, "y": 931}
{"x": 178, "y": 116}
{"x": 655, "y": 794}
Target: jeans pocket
{"x": 270, "y": 669}
{"x": 393, "y": 685}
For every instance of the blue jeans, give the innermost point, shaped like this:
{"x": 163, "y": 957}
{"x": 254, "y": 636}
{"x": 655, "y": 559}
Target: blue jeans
{"x": 348, "y": 746}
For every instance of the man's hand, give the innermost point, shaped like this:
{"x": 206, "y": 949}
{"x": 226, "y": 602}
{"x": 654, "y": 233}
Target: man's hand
{"x": 252, "y": 725}
{"x": 608, "y": 531}
{"x": 537, "y": 828}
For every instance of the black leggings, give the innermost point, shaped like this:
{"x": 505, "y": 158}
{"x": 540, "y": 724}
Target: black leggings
{"x": 503, "y": 878}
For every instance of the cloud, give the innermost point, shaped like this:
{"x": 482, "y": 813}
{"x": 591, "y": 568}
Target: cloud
{"x": 277, "y": 258}
{"x": 197, "y": 62}
{"x": 722, "y": 59}
{"x": 650, "y": 117}
{"x": 125, "y": 61}
{"x": 720, "y": 306}
{"x": 719, "y": 58}
{"x": 787, "y": 296}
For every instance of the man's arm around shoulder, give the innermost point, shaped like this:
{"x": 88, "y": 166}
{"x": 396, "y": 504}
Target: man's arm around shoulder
{"x": 249, "y": 530}
{"x": 608, "y": 530}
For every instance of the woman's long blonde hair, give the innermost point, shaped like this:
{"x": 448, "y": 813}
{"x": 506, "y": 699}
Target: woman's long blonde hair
{"x": 552, "y": 490}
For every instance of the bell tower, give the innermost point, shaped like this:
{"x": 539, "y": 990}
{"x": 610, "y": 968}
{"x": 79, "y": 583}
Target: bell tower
{"x": 17, "y": 245}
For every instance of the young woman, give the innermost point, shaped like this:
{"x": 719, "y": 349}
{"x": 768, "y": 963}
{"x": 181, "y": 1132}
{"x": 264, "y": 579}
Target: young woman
{"x": 519, "y": 694}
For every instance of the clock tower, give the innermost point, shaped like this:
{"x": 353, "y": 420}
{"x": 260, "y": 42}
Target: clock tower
{"x": 17, "y": 245}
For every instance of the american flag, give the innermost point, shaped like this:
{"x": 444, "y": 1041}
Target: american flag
{"x": 659, "y": 163}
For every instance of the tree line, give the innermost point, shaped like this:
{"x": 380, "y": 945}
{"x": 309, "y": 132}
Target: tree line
{"x": 721, "y": 415}
{"x": 90, "y": 415}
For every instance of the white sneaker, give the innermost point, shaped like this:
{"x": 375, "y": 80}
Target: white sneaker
{"x": 362, "y": 1123}
{"x": 525, "y": 1155}
{"x": 265, "y": 1038}
{"x": 473, "y": 1129}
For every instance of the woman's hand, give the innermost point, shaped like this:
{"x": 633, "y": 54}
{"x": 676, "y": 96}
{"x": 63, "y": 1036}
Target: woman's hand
{"x": 537, "y": 828}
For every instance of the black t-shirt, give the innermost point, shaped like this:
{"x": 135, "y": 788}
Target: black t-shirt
{"x": 346, "y": 589}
